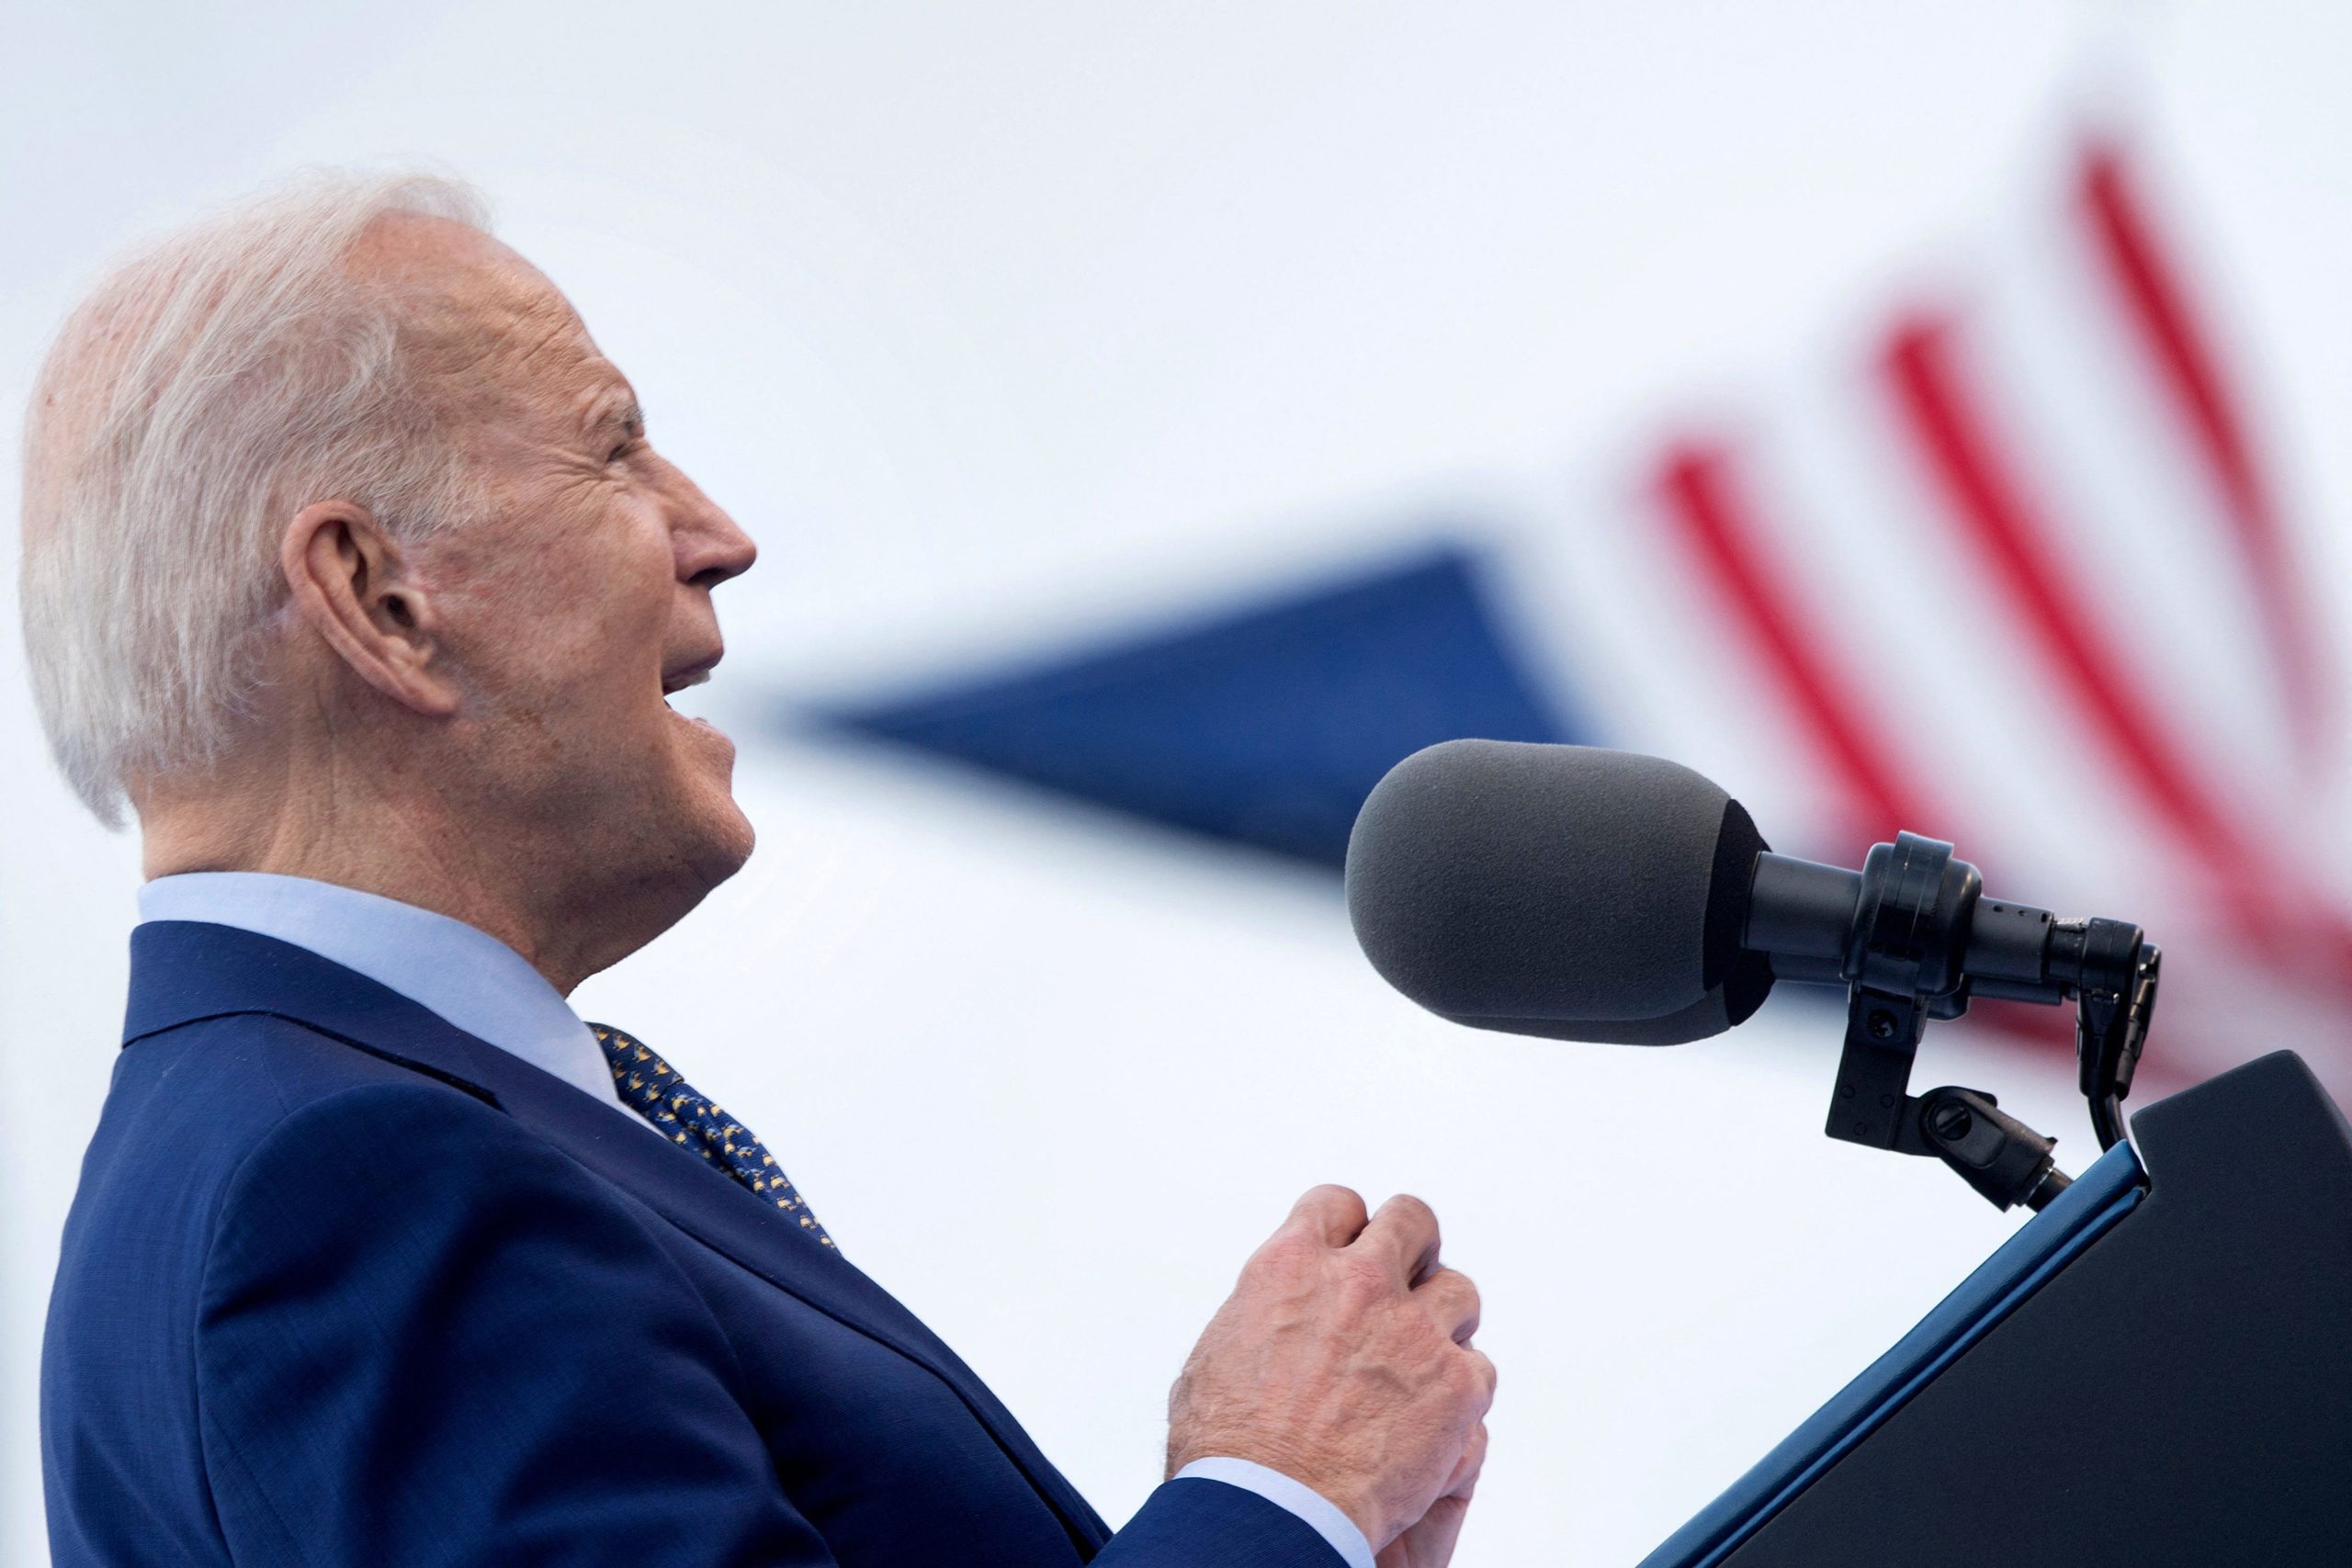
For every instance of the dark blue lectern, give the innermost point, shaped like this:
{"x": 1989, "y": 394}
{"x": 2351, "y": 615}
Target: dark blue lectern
{"x": 2155, "y": 1370}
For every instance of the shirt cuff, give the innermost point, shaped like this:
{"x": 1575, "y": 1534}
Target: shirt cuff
{"x": 1318, "y": 1512}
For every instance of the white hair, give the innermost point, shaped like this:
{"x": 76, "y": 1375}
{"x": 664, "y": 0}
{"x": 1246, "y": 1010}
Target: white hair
{"x": 205, "y": 391}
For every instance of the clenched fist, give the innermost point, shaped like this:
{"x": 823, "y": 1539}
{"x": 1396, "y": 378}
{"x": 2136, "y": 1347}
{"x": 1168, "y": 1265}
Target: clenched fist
{"x": 1343, "y": 1361}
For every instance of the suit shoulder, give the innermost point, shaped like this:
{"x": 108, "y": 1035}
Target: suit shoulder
{"x": 206, "y": 1088}
{"x": 373, "y": 1129}
{"x": 397, "y": 1118}
{"x": 271, "y": 1060}
{"x": 200, "y": 1099}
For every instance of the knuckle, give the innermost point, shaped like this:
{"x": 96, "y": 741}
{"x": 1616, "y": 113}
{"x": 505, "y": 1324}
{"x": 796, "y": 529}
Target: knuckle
{"x": 1450, "y": 1295}
{"x": 1482, "y": 1371}
{"x": 1451, "y": 1284}
{"x": 1323, "y": 1212}
{"x": 1331, "y": 1196}
{"x": 1474, "y": 1459}
{"x": 1414, "y": 1209}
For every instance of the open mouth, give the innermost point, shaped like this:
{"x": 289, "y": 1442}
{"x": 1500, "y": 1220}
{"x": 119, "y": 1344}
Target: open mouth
{"x": 679, "y": 678}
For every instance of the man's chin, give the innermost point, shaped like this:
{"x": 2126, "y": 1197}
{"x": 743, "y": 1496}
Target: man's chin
{"x": 732, "y": 843}
{"x": 690, "y": 834}
{"x": 721, "y": 827}
{"x": 721, "y": 835}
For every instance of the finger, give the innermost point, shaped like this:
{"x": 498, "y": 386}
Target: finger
{"x": 1451, "y": 1301}
{"x": 1429, "y": 1539}
{"x": 1404, "y": 1233}
{"x": 1485, "y": 1368}
{"x": 1332, "y": 1213}
{"x": 1465, "y": 1479}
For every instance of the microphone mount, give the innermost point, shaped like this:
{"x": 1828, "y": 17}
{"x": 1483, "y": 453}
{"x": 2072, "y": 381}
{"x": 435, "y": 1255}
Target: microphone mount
{"x": 1916, "y": 951}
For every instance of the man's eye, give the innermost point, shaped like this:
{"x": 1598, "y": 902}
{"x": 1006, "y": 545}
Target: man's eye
{"x": 620, "y": 453}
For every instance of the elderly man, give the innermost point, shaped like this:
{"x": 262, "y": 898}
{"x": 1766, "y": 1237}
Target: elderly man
{"x": 350, "y": 570}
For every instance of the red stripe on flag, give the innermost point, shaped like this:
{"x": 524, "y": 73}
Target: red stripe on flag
{"x": 1697, "y": 486}
{"x": 1702, "y": 495}
{"x": 2159, "y": 309}
{"x": 2014, "y": 539}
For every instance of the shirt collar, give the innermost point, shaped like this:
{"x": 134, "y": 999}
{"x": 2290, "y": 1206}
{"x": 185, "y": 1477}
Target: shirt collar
{"x": 465, "y": 976}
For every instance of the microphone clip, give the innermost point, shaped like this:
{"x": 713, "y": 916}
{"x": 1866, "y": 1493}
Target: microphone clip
{"x": 2005, "y": 1161}
{"x": 1907, "y": 965}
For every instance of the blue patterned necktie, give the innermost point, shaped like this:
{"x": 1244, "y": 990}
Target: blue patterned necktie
{"x": 652, "y": 1088}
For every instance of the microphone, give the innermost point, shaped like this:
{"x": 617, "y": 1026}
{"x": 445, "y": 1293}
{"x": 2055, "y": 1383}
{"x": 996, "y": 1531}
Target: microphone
{"x": 1581, "y": 894}
{"x": 1563, "y": 891}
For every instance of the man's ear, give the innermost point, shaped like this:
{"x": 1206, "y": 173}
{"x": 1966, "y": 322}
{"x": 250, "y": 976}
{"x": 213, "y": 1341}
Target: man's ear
{"x": 349, "y": 584}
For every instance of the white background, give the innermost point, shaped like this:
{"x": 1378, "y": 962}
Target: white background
{"x": 995, "y": 321}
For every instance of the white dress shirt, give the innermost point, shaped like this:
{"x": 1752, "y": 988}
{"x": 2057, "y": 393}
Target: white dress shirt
{"x": 474, "y": 981}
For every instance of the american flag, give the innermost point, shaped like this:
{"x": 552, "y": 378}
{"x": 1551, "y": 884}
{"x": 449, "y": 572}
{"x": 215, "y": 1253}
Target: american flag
{"x": 2006, "y": 558}
{"x": 2016, "y": 563}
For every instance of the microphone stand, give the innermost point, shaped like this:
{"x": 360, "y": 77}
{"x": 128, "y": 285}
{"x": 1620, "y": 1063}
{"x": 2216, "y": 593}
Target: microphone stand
{"x": 1917, "y": 903}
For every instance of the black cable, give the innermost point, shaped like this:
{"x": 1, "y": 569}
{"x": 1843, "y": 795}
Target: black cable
{"x": 2107, "y": 1120}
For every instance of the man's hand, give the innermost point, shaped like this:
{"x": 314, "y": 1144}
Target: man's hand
{"x": 1343, "y": 1361}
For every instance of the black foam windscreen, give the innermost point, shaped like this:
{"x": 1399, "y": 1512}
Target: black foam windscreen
{"x": 1564, "y": 891}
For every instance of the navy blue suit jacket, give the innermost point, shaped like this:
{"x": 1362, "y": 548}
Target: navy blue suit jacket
{"x": 343, "y": 1285}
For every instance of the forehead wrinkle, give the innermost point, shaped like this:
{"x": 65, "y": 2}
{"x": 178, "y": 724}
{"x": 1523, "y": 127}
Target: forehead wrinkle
{"x": 490, "y": 330}
{"x": 537, "y": 348}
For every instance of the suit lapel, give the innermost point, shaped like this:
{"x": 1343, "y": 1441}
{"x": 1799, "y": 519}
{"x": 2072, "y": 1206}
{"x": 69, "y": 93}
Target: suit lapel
{"x": 183, "y": 971}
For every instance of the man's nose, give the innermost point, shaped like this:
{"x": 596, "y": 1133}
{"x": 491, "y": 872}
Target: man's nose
{"x": 710, "y": 546}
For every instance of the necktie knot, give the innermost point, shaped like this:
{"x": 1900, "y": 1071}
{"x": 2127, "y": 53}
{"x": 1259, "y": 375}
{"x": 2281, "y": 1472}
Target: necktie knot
{"x": 651, "y": 1088}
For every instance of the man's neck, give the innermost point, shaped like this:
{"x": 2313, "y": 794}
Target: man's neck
{"x": 407, "y": 850}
